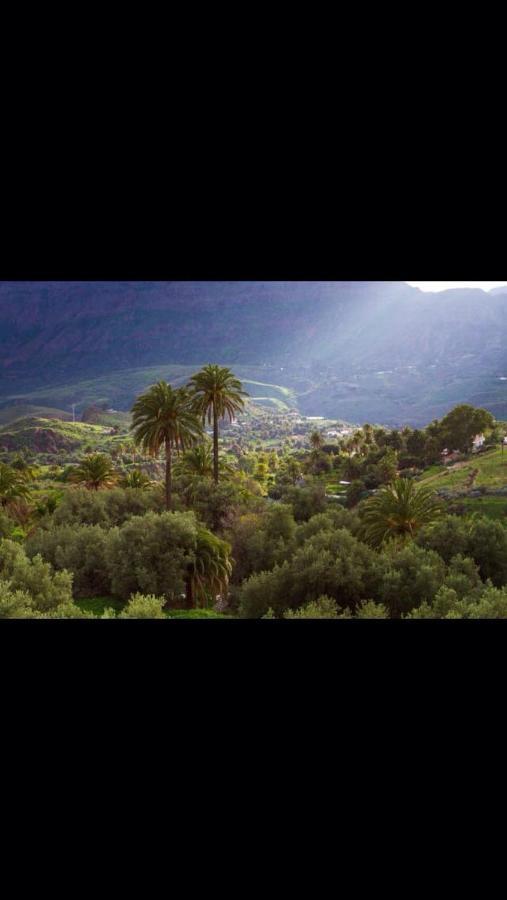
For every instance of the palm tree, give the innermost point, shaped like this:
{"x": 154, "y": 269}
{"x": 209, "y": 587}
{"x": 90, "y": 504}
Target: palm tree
{"x": 398, "y": 511}
{"x": 137, "y": 480}
{"x": 210, "y": 569}
{"x": 316, "y": 440}
{"x": 12, "y": 485}
{"x": 163, "y": 416}
{"x": 198, "y": 462}
{"x": 95, "y": 471}
{"x": 217, "y": 393}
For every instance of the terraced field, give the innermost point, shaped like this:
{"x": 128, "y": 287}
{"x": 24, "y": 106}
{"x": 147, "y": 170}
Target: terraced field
{"x": 487, "y": 470}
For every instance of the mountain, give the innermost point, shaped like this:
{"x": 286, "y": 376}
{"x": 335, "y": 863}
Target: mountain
{"x": 378, "y": 351}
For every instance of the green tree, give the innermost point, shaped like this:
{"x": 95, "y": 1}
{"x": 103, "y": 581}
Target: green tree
{"x": 217, "y": 393}
{"x": 94, "y": 472}
{"x": 411, "y": 576}
{"x": 416, "y": 441}
{"x": 459, "y": 427}
{"x": 12, "y": 485}
{"x": 292, "y": 469}
{"x": 398, "y": 511}
{"x": 163, "y": 417}
{"x": 150, "y": 554}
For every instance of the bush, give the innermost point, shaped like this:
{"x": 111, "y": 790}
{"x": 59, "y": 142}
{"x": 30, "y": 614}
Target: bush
{"x": 105, "y": 508}
{"x": 323, "y": 608}
{"x": 29, "y": 588}
{"x": 218, "y": 505}
{"x": 330, "y": 563}
{"x": 413, "y": 576}
{"x": 34, "y": 577}
{"x": 367, "y": 609}
{"x": 447, "y": 537}
{"x": 15, "y": 604}
{"x": 487, "y": 602}
{"x": 79, "y": 548}
{"x": 150, "y": 554}
{"x": 306, "y": 501}
{"x": 260, "y": 541}
{"x": 142, "y": 606}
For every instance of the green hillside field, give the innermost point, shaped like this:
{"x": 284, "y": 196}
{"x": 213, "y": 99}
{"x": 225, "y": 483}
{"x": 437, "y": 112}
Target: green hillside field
{"x": 486, "y": 472}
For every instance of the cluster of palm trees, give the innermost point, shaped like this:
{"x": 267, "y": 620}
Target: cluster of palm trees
{"x": 174, "y": 418}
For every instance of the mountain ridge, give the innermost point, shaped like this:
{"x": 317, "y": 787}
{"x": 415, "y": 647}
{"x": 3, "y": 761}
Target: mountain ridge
{"x": 386, "y": 342}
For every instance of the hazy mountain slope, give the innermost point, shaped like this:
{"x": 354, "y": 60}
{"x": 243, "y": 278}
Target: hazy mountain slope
{"x": 359, "y": 350}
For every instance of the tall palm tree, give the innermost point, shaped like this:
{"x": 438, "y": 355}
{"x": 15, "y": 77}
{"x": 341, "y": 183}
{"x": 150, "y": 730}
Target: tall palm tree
{"x": 217, "y": 393}
{"x": 210, "y": 569}
{"x": 12, "y": 485}
{"x": 95, "y": 471}
{"x": 163, "y": 416}
{"x": 398, "y": 511}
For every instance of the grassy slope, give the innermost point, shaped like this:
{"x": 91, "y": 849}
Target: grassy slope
{"x": 30, "y": 432}
{"x": 492, "y": 473}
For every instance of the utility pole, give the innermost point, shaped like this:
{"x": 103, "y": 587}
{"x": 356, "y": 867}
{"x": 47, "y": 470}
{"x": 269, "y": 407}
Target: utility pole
{"x": 73, "y": 412}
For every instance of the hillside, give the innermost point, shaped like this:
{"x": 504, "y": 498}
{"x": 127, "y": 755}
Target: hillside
{"x": 476, "y": 485}
{"x": 361, "y": 351}
{"x": 48, "y": 436}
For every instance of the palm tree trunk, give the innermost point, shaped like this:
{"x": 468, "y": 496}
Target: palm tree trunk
{"x": 215, "y": 444}
{"x": 168, "y": 476}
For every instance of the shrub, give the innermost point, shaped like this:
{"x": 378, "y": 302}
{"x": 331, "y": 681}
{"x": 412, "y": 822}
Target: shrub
{"x": 487, "y": 602}
{"x": 79, "y": 548}
{"x": 367, "y": 609}
{"x": 142, "y": 606}
{"x": 35, "y": 577}
{"x": 330, "y": 563}
{"x": 323, "y": 608}
{"x": 105, "y": 508}
{"x": 413, "y": 576}
{"x": 15, "y": 604}
{"x": 30, "y": 589}
{"x": 151, "y": 553}
{"x": 306, "y": 501}
{"x": 447, "y": 537}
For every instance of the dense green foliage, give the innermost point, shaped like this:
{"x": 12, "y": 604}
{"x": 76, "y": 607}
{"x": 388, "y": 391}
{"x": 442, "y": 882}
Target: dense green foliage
{"x": 324, "y": 525}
